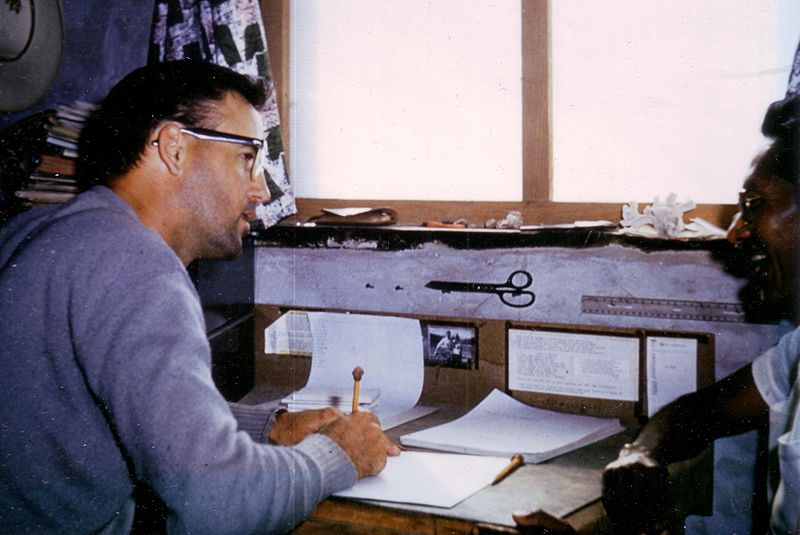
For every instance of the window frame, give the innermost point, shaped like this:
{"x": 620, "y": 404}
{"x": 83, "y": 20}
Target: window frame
{"x": 536, "y": 205}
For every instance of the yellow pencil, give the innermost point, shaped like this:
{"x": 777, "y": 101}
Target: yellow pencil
{"x": 516, "y": 461}
{"x": 358, "y": 373}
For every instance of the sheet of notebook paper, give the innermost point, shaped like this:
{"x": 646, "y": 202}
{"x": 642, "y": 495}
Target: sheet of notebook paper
{"x": 435, "y": 479}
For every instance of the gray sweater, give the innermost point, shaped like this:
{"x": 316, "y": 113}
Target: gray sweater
{"x": 105, "y": 371}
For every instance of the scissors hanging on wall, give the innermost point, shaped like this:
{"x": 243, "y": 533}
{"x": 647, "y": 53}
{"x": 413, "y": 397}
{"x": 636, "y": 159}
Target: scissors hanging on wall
{"x": 512, "y": 292}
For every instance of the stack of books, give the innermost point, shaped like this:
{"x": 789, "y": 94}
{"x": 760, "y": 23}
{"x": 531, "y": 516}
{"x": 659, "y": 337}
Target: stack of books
{"x": 52, "y": 179}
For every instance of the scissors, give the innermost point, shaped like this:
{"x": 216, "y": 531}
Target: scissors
{"x": 511, "y": 292}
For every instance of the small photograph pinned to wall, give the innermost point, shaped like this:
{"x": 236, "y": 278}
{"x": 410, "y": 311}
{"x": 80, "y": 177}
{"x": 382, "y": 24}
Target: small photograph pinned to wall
{"x": 450, "y": 345}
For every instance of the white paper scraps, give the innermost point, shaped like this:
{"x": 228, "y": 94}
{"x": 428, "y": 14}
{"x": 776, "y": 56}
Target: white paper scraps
{"x": 665, "y": 220}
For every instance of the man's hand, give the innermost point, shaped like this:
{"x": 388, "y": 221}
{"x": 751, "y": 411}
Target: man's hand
{"x": 636, "y": 492}
{"x": 533, "y": 523}
{"x": 360, "y": 436}
{"x": 541, "y": 523}
{"x": 289, "y": 428}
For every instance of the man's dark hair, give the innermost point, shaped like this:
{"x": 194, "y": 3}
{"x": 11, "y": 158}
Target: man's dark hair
{"x": 781, "y": 124}
{"x": 115, "y": 135}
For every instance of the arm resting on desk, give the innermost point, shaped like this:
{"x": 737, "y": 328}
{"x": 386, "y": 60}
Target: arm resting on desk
{"x": 255, "y": 420}
{"x": 268, "y": 423}
{"x": 636, "y": 485}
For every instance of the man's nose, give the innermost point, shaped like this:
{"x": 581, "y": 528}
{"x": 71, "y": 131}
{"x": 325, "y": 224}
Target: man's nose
{"x": 738, "y": 229}
{"x": 259, "y": 193}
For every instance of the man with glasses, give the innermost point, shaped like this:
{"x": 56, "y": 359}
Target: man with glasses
{"x": 767, "y": 228}
{"x": 104, "y": 361}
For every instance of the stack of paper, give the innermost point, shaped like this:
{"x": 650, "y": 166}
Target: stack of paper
{"x": 388, "y": 349}
{"x": 310, "y": 397}
{"x": 502, "y": 426}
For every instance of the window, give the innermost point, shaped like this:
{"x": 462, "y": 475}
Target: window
{"x": 406, "y": 100}
{"x": 621, "y": 100}
{"x": 671, "y": 100}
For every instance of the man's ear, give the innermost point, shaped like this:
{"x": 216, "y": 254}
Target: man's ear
{"x": 171, "y": 147}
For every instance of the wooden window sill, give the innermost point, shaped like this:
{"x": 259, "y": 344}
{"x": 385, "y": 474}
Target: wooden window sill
{"x": 412, "y": 213}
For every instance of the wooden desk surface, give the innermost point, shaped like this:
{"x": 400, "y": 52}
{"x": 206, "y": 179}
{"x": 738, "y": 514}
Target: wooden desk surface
{"x": 568, "y": 487}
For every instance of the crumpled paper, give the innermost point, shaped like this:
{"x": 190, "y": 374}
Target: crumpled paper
{"x": 665, "y": 220}
{"x": 513, "y": 220}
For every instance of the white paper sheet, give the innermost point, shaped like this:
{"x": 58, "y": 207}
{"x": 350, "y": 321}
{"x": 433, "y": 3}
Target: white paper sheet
{"x": 435, "y": 479}
{"x": 389, "y": 349}
{"x": 346, "y": 211}
{"x": 671, "y": 370}
{"x": 574, "y": 364}
{"x": 290, "y": 334}
{"x": 501, "y": 425}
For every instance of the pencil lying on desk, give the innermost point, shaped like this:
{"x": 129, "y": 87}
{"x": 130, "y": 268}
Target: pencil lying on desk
{"x": 516, "y": 461}
{"x": 358, "y": 373}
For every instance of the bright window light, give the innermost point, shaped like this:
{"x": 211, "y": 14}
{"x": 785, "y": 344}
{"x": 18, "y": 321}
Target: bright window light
{"x": 421, "y": 99}
{"x": 411, "y": 99}
{"x": 659, "y": 97}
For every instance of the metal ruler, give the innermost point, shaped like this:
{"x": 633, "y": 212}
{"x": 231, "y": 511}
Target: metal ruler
{"x": 663, "y": 308}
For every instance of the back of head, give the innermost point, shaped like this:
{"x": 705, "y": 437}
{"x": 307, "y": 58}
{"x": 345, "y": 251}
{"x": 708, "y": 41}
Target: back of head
{"x": 115, "y": 135}
{"x": 781, "y": 124}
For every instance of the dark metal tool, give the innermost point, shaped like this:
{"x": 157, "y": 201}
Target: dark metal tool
{"x": 511, "y": 292}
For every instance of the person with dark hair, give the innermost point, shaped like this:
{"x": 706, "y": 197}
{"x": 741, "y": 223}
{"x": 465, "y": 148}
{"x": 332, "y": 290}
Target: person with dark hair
{"x": 115, "y": 135}
{"x": 767, "y": 227}
{"x": 104, "y": 360}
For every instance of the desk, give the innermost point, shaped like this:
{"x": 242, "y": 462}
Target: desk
{"x": 567, "y": 487}
{"x": 384, "y": 271}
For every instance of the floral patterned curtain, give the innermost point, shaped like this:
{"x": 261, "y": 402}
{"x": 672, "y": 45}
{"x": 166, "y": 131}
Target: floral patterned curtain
{"x": 229, "y": 33}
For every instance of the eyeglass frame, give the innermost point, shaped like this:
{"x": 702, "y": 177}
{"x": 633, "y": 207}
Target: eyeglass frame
{"x": 207, "y": 134}
{"x": 749, "y": 205}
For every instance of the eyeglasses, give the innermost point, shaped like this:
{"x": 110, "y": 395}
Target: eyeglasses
{"x": 213, "y": 135}
{"x": 750, "y": 205}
